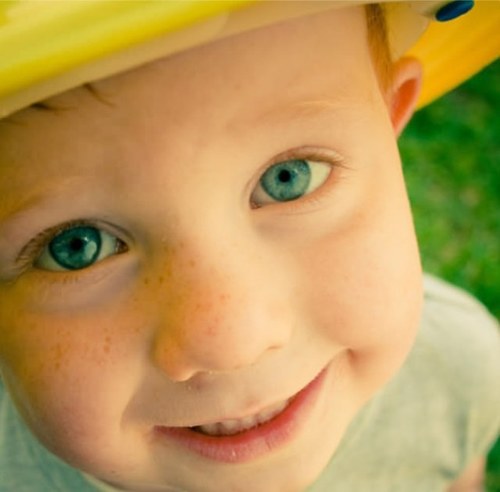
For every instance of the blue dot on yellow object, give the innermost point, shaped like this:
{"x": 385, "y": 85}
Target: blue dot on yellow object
{"x": 455, "y": 9}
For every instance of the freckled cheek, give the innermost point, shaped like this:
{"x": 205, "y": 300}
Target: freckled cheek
{"x": 70, "y": 376}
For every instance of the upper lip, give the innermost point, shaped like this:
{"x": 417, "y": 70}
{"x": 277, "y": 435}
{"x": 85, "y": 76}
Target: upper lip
{"x": 251, "y": 411}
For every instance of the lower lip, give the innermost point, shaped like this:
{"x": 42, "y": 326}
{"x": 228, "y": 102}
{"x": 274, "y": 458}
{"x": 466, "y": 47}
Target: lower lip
{"x": 256, "y": 442}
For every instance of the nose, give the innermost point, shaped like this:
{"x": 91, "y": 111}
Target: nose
{"x": 219, "y": 316}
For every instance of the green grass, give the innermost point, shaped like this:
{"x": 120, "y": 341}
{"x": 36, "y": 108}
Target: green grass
{"x": 451, "y": 152}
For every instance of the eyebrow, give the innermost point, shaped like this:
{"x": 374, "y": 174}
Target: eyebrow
{"x": 31, "y": 200}
{"x": 307, "y": 109}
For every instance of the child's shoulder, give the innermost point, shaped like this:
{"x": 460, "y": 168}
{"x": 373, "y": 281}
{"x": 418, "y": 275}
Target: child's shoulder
{"x": 452, "y": 300}
{"x": 460, "y": 336}
{"x": 457, "y": 351}
{"x": 456, "y": 366}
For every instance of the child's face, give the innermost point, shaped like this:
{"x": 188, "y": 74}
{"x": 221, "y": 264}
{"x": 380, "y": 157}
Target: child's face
{"x": 221, "y": 304}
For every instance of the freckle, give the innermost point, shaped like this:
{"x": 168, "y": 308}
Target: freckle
{"x": 192, "y": 263}
{"x": 107, "y": 342}
{"x": 211, "y": 329}
{"x": 146, "y": 281}
{"x": 207, "y": 306}
{"x": 58, "y": 353}
{"x": 160, "y": 279}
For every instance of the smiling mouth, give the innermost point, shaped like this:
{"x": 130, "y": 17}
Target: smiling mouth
{"x": 246, "y": 439}
{"x": 231, "y": 427}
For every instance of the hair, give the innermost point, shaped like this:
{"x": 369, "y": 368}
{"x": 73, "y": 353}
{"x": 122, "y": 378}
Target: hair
{"x": 379, "y": 44}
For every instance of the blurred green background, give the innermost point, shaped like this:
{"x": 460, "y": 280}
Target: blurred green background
{"x": 451, "y": 155}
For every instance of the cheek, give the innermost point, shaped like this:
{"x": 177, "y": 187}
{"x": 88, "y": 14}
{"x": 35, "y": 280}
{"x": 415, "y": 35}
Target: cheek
{"x": 366, "y": 288}
{"x": 373, "y": 301}
{"x": 69, "y": 376}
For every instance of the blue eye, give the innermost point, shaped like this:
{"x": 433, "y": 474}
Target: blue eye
{"x": 78, "y": 247}
{"x": 290, "y": 180}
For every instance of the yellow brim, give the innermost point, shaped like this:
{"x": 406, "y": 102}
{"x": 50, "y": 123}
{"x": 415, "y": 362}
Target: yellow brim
{"x": 452, "y": 52}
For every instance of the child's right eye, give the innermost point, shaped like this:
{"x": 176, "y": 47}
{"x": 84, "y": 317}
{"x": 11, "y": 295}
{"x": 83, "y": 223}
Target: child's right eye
{"x": 78, "y": 247}
{"x": 290, "y": 180}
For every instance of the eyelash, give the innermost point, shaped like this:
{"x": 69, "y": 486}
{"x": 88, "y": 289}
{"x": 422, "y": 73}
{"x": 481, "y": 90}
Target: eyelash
{"x": 30, "y": 253}
{"x": 315, "y": 197}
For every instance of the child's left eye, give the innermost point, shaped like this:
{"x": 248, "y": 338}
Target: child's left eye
{"x": 289, "y": 180}
{"x": 78, "y": 247}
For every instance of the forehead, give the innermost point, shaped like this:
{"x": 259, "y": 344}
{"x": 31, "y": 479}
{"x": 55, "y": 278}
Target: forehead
{"x": 279, "y": 59}
{"x": 289, "y": 69}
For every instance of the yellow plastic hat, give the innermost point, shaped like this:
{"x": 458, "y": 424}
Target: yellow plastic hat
{"x": 48, "y": 46}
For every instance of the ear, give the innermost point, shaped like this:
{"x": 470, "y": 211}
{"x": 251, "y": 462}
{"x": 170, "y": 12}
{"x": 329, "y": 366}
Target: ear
{"x": 404, "y": 92}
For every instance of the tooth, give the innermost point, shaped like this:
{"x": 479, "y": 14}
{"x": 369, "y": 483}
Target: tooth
{"x": 265, "y": 416}
{"x": 272, "y": 412}
{"x": 210, "y": 429}
{"x": 229, "y": 427}
{"x": 248, "y": 422}
{"x": 233, "y": 426}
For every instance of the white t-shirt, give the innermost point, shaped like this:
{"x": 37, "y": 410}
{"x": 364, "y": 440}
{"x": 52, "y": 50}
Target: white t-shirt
{"x": 439, "y": 413}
